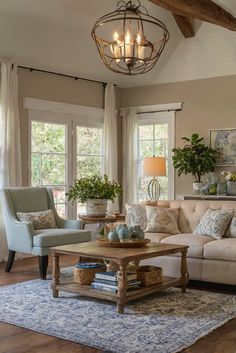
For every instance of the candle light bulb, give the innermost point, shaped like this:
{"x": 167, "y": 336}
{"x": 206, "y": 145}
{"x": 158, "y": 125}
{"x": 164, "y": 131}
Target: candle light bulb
{"x": 138, "y": 39}
{"x": 115, "y": 36}
{"x": 128, "y": 37}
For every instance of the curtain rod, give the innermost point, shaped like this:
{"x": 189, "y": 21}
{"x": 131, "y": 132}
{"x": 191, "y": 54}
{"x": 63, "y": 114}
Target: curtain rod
{"x": 160, "y": 111}
{"x": 64, "y": 75}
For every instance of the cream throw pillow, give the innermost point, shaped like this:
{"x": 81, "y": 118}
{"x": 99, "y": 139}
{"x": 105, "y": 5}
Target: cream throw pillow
{"x": 40, "y": 220}
{"x": 214, "y": 223}
{"x": 162, "y": 220}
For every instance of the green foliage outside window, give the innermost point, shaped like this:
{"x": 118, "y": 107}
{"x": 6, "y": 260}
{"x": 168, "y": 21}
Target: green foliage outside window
{"x": 48, "y": 154}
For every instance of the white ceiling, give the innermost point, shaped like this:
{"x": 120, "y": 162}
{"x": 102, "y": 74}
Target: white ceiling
{"x": 55, "y": 35}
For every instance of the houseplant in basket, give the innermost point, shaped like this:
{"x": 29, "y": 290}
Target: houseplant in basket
{"x": 194, "y": 158}
{"x": 94, "y": 191}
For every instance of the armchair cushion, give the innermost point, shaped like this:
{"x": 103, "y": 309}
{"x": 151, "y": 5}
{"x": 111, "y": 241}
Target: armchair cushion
{"x": 56, "y": 237}
{"x": 40, "y": 220}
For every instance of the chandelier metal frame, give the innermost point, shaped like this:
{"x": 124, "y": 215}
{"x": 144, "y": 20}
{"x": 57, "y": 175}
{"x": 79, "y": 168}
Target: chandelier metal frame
{"x": 138, "y": 56}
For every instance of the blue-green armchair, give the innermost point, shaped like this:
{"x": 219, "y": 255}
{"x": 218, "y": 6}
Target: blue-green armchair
{"x": 24, "y": 238}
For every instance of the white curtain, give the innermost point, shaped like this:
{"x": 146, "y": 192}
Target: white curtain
{"x": 110, "y": 141}
{"x": 10, "y": 149}
{"x": 129, "y": 179}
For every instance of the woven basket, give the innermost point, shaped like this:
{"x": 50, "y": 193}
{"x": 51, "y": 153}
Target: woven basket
{"x": 86, "y": 275}
{"x": 149, "y": 275}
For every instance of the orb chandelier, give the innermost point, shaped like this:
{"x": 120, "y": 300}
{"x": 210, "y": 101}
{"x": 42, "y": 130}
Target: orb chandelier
{"x": 129, "y": 40}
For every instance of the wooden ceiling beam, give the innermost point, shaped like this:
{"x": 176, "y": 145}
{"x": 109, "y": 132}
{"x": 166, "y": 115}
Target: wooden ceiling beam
{"x": 185, "y": 25}
{"x": 204, "y": 10}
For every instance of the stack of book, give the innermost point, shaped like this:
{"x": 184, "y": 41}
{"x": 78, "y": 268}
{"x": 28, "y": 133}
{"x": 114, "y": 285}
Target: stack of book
{"x": 108, "y": 281}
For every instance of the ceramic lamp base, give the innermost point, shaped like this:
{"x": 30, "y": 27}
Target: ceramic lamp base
{"x": 154, "y": 189}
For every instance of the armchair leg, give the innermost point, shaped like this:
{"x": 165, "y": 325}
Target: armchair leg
{"x": 10, "y": 260}
{"x": 43, "y": 265}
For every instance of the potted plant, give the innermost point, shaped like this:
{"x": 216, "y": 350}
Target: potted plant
{"x": 94, "y": 191}
{"x": 194, "y": 158}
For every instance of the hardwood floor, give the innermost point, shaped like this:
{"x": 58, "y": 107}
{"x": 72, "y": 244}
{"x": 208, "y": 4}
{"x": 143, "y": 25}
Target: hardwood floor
{"x": 14, "y": 339}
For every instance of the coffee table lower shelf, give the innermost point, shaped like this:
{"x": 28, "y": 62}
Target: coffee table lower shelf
{"x": 86, "y": 290}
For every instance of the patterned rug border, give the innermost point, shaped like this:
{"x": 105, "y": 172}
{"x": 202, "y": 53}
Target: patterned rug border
{"x": 109, "y": 351}
{"x": 103, "y": 348}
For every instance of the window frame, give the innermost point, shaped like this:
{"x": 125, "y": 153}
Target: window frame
{"x": 155, "y": 118}
{"x": 71, "y": 116}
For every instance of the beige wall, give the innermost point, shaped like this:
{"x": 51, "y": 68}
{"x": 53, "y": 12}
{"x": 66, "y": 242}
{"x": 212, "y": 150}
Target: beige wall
{"x": 55, "y": 88}
{"x": 207, "y": 104}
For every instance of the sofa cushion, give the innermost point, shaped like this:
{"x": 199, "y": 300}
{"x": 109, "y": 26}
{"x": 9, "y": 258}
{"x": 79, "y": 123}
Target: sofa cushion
{"x": 223, "y": 249}
{"x": 56, "y": 237}
{"x": 195, "y": 242}
{"x": 156, "y": 237}
{"x": 162, "y": 220}
{"x": 40, "y": 220}
{"x": 214, "y": 223}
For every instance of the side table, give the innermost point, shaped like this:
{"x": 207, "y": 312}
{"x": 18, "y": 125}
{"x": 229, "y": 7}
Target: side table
{"x": 101, "y": 221}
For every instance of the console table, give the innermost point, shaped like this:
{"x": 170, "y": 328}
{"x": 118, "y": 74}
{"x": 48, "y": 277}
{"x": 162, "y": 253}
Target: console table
{"x": 206, "y": 197}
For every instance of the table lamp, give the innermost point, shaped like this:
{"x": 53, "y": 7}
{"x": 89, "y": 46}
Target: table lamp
{"x": 155, "y": 167}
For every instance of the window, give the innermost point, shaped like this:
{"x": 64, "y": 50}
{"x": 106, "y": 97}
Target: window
{"x": 63, "y": 149}
{"x": 155, "y": 138}
{"x": 89, "y": 151}
{"x": 49, "y": 157}
{"x": 89, "y": 154}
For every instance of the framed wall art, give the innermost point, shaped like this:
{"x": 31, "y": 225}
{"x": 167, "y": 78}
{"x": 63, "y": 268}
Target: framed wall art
{"x": 224, "y": 141}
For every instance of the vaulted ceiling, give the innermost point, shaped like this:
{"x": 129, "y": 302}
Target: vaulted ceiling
{"x": 55, "y": 35}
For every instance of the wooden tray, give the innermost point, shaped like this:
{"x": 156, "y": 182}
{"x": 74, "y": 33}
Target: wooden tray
{"x": 117, "y": 244}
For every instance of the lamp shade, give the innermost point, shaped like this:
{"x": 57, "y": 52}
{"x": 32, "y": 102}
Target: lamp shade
{"x": 154, "y": 166}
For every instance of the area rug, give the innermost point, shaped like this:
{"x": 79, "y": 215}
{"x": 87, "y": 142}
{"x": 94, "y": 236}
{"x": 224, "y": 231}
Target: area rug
{"x": 165, "y": 323}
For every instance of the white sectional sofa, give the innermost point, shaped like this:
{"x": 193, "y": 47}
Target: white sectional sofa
{"x": 208, "y": 259}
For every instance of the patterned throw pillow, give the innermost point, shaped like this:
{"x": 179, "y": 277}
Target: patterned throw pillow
{"x": 214, "y": 223}
{"x": 162, "y": 220}
{"x": 136, "y": 216}
{"x": 232, "y": 229}
{"x": 40, "y": 220}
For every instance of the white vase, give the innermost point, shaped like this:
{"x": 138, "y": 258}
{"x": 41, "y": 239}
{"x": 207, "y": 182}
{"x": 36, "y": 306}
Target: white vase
{"x": 196, "y": 188}
{"x": 231, "y": 188}
{"x": 96, "y": 207}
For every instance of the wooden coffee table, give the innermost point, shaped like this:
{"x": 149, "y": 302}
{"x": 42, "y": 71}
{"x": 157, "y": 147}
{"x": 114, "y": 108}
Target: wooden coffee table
{"x": 121, "y": 257}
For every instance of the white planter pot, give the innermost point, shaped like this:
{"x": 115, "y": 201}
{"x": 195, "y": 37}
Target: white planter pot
{"x": 196, "y": 188}
{"x": 96, "y": 207}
